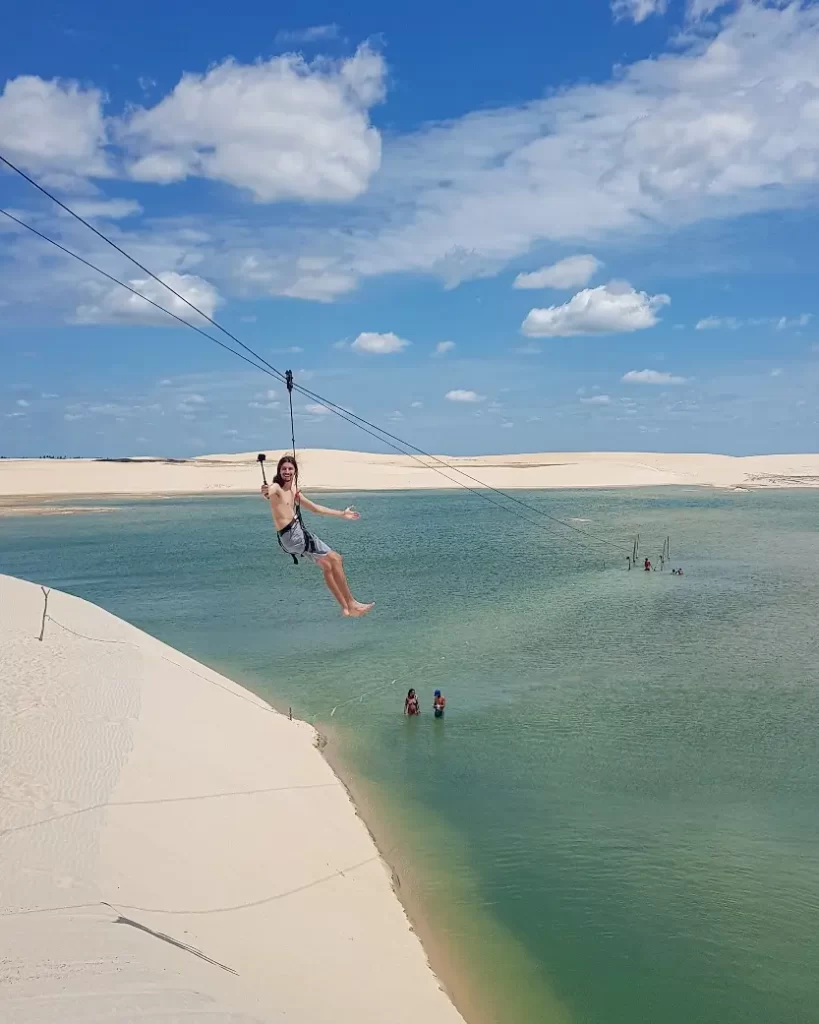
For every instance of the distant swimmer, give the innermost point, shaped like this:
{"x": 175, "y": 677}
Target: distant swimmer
{"x": 412, "y": 706}
{"x": 285, "y": 505}
{"x": 438, "y": 704}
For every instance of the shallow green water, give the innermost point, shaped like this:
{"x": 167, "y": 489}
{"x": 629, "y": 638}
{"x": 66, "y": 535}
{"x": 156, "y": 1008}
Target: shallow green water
{"x": 617, "y": 821}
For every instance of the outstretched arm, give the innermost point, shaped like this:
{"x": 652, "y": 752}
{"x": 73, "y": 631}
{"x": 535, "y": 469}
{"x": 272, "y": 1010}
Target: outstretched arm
{"x": 347, "y": 513}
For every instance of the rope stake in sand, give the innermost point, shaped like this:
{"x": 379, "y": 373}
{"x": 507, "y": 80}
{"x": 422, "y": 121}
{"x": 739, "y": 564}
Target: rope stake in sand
{"x": 45, "y": 612}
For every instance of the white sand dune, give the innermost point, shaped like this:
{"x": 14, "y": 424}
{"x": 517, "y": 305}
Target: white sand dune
{"x": 172, "y": 849}
{"x": 21, "y": 479}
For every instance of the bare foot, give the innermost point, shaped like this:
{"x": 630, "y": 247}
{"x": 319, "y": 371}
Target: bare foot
{"x": 359, "y": 609}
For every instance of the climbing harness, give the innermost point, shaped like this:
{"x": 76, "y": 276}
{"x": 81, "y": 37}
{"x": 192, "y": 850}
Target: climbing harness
{"x": 296, "y": 521}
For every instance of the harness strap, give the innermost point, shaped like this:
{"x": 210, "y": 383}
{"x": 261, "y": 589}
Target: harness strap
{"x": 309, "y": 543}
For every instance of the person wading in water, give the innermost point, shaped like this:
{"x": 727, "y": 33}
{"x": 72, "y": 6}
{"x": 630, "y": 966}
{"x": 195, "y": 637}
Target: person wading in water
{"x": 285, "y": 505}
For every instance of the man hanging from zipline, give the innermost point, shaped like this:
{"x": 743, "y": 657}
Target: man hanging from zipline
{"x": 285, "y": 505}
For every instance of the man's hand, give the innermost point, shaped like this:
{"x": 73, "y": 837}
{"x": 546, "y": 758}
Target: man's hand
{"x": 265, "y": 491}
{"x": 350, "y": 513}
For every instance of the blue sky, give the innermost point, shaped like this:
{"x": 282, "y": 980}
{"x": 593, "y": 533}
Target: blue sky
{"x": 547, "y": 227}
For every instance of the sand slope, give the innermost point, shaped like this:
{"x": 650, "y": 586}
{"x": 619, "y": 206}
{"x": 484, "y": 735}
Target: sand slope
{"x": 172, "y": 849}
{"x": 328, "y": 469}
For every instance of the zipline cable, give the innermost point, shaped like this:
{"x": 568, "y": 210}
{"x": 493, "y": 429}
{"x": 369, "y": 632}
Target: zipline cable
{"x": 340, "y": 412}
{"x": 287, "y": 378}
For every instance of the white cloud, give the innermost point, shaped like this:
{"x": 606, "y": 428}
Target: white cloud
{"x": 651, "y": 377}
{"x": 14, "y": 415}
{"x": 53, "y": 126}
{"x": 107, "y": 209}
{"x": 48, "y": 394}
{"x": 573, "y": 272}
{"x": 507, "y": 424}
{"x": 686, "y": 136}
{"x": 190, "y": 403}
{"x": 319, "y": 287}
{"x": 443, "y": 347}
{"x": 22, "y": 403}
{"x": 776, "y": 373}
{"x": 114, "y": 305}
{"x": 316, "y": 409}
{"x": 699, "y": 9}
{"x": 668, "y": 141}
{"x": 636, "y": 10}
{"x": 378, "y": 344}
{"x": 732, "y": 323}
{"x": 613, "y": 308}
{"x": 313, "y": 34}
{"x": 459, "y": 395}
{"x": 282, "y": 128}
{"x": 783, "y": 323}
{"x": 416, "y": 405}
{"x": 716, "y": 323}
{"x": 596, "y": 400}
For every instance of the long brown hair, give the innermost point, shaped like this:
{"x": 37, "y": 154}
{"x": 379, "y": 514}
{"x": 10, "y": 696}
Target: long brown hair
{"x": 277, "y": 479}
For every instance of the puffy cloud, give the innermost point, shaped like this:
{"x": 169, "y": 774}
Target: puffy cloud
{"x": 53, "y": 126}
{"x": 443, "y": 347}
{"x": 114, "y": 305}
{"x": 282, "y": 128}
{"x": 637, "y": 10}
{"x": 107, "y": 209}
{"x": 317, "y": 410}
{"x": 573, "y": 272}
{"x": 379, "y": 344}
{"x": 651, "y": 377}
{"x": 613, "y": 308}
{"x": 22, "y": 403}
{"x": 460, "y": 395}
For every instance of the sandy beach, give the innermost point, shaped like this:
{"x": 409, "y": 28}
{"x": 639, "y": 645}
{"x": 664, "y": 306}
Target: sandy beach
{"x": 171, "y": 847}
{"x": 25, "y": 484}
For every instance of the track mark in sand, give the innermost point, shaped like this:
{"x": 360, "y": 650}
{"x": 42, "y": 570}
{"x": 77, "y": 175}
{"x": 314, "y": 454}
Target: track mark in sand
{"x": 169, "y": 939}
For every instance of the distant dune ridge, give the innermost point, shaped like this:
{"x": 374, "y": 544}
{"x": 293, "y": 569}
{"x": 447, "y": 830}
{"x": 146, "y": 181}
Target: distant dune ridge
{"x": 172, "y": 848}
{"x": 327, "y": 469}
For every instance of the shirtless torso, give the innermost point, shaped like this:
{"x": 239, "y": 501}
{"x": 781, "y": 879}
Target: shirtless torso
{"x": 282, "y": 505}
